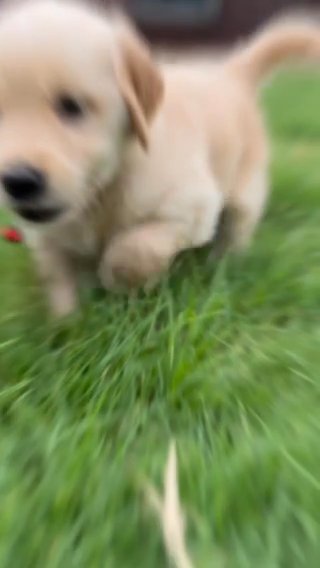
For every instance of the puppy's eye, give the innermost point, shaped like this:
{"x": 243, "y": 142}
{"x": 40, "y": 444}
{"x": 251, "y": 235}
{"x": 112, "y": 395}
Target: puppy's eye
{"x": 69, "y": 108}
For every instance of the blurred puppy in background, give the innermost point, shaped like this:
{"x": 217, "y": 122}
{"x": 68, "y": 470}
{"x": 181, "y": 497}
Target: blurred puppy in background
{"x": 117, "y": 163}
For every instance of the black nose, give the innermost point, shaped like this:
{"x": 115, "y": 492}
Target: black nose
{"x": 23, "y": 182}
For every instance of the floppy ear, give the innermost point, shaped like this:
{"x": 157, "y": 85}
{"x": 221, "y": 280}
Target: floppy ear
{"x": 140, "y": 81}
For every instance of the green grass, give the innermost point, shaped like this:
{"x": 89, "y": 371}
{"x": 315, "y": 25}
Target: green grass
{"x": 223, "y": 358}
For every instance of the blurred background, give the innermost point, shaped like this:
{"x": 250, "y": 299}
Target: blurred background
{"x": 204, "y": 21}
{"x": 224, "y": 358}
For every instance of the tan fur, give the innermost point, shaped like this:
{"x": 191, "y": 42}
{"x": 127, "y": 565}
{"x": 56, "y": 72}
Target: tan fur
{"x": 140, "y": 82}
{"x": 282, "y": 42}
{"x": 159, "y": 154}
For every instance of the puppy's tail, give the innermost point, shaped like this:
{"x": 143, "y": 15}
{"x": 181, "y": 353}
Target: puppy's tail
{"x": 281, "y": 42}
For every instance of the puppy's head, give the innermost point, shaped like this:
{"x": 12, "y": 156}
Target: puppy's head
{"x": 73, "y": 87}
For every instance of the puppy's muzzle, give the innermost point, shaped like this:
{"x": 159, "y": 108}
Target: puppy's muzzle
{"x": 26, "y": 188}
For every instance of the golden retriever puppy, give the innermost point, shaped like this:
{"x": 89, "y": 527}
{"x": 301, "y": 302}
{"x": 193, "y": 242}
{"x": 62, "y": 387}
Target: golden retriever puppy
{"x": 118, "y": 163}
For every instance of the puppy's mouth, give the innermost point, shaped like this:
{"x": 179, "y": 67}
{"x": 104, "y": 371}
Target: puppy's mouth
{"x": 39, "y": 214}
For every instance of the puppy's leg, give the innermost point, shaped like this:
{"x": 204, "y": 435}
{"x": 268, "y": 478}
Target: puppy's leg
{"x": 58, "y": 275}
{"x": 243, "y": 213}
{"x": 139, "y": 256}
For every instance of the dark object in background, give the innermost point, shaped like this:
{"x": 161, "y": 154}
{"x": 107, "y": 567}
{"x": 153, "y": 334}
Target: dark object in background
{"x": 205, "y": 21}
{"x": 190, "y": 14}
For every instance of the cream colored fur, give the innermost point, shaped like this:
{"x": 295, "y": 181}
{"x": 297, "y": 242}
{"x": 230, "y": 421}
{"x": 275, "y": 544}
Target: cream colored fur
{"x": 160, "y": 152}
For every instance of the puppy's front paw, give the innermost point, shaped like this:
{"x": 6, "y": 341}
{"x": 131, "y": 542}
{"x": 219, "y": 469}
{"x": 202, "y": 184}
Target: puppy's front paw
{"x": 119, "y": 271}
{"x": 109, "y": 277}
{"x": 130, "y": 263}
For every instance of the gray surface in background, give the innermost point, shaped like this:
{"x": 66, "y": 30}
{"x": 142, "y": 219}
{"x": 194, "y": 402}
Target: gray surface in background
{"x": 172, "y": 12}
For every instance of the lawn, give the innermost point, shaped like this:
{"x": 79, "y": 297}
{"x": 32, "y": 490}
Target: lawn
{"x": 224, "y": 358}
